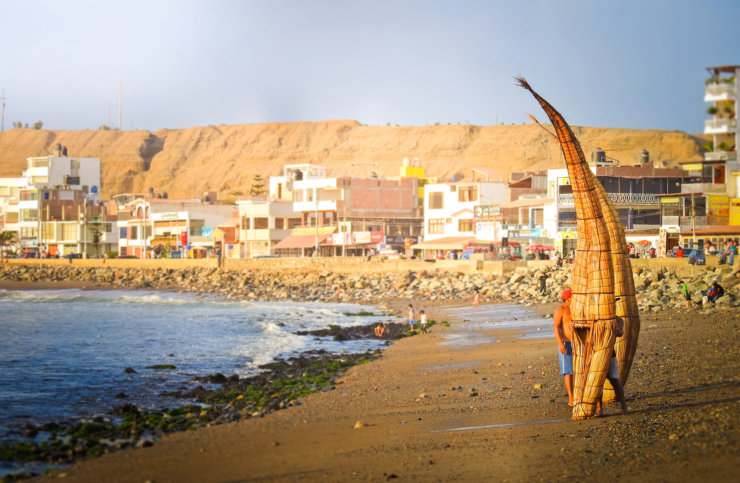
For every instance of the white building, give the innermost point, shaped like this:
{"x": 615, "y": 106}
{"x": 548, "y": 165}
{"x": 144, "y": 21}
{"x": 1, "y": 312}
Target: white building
{"x": 152, "y": 226}
{"x": 263, "y": 223}
{"x": 64, "y": 172}
{"x": 450, "y": 208}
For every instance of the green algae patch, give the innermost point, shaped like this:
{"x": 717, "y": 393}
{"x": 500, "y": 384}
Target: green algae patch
{"x": 161, "y": 367}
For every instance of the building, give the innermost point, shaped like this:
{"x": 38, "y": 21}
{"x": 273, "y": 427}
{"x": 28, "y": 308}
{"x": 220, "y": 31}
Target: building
{"x": 711, "y": 185}
{"x": 10, "y": 187}
{"x": 263, "y": 222}
{"x": 365, "y": 213}
{"x": 634, "y": 191}
{"x": 45, "y": 206}
{"x": 160, "y": 227}
{"x": 458, "y": 213}
{"x": 523, "y": 217}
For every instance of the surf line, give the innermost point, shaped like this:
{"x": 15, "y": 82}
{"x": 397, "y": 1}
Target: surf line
{"x": 502, "y": 425}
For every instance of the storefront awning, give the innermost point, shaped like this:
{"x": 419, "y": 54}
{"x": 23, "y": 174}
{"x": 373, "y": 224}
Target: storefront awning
{"x": 446, "y": 243}
{"x": 528, "y": 203}
{"x": 301, "y": 241}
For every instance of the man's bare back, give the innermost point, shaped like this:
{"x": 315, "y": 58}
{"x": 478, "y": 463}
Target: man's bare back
{"x": 562, "y": 324}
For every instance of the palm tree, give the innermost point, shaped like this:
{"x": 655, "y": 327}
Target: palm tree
{"x": 7, "y": 239}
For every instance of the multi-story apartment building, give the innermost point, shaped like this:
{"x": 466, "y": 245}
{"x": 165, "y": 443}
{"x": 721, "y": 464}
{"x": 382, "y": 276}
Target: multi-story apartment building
{"x": 711, "y": 185}
{"x": 46, "y": 207}
{"x": 152, "y": 227}
{"x": 456, "y": 213}
{"x": 362, "y": 210}
{"x": 263, "y": 222}
{"x": 633, "y": 189}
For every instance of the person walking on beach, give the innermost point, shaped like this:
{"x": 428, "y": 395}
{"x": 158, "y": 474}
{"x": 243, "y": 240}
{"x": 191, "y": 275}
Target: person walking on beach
{"x": 412, "y": 317}
{"x": 476, "y": 299}
{"x": 543, "y": 282}
{"x": 423, "y": 321}
{"x": 563, "y": 331}
{"x": 686, "y": 294}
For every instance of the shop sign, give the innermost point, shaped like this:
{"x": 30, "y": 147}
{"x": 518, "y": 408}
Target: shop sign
{"x": 400, "y": 239}
{"x": 362, "y": 237}
{"x": 376, "y": 236}
{"x": 668, "y": 200}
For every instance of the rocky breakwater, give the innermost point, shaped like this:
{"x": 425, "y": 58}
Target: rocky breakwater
{"x": 657, "y": 288}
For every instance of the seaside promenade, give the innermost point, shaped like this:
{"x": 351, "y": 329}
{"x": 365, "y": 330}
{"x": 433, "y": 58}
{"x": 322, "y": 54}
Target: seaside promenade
{"x": 471, "y": 403}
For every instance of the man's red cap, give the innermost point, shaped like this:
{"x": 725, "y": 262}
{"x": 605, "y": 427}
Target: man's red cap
{"x": 567, "y": 293}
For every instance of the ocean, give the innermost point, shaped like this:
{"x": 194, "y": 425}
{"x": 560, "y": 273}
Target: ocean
{"x": 63, "y": 353}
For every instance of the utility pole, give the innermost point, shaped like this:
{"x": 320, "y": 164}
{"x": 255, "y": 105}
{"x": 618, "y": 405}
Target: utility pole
{"x": 120, "y": 95}
{"x": 693, "y": 223}
{"x": 2, "y": 107}
{"x": 316, "y": 203}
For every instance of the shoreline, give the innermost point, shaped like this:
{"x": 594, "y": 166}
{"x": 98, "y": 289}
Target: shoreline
{"x": 428, "y": 411}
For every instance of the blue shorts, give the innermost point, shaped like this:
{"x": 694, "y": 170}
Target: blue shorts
{"x": 566, "y": 360}
{"x": 412, "y": 321}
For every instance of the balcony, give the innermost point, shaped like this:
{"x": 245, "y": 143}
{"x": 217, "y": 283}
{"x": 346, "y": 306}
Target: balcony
{"x": 719, "y": 92}
{"x": 720, "y": 126}
{"x": 720, "y": 156}
{"x": 703, "y": 188}
{"x": 684, "y": 221}
{"x": 616, "y": 198}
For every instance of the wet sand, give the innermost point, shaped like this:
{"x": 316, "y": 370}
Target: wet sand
{"x": 469, "y": 403}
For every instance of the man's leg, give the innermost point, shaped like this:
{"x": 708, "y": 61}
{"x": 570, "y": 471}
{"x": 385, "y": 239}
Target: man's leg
{"x": 569, "y": 388}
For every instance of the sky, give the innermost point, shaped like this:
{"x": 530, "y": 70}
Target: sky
{"x": 183, "y": 63}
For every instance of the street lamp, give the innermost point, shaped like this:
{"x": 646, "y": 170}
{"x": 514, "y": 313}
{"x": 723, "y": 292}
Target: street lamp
{"x": 316, "y": 220}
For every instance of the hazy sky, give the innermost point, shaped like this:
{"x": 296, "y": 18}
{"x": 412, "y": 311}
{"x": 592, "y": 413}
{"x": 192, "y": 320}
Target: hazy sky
{"x": 636, "y": 64}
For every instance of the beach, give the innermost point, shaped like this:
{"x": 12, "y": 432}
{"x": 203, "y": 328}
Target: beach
{"x": 467, "y": 402}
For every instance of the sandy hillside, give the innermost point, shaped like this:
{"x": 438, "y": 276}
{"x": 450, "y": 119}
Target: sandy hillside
{"x": 187, "y": 162}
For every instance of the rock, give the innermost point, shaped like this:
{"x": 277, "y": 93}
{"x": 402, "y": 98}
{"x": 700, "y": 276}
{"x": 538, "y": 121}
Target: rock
{"x": 130, "y": 370}
{"x": 361, "y": 424}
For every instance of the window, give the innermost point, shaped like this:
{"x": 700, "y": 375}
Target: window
{"x": 467, "y": 193}
{"x": 29, "y": 215}
{"x": 719, "y": 175}
{"x": 29, "y": 232}
{"x": 279, "y": 223}
{"x": 465, "y": 225}
{"x": 29, "y": 195}
{"x": 246, "y": 223}
{"x": 122, "y": 233}
{"x": 68, "y": 232}
{"x": 436, "y": 201}
{"x": 134, "y": 232}
{"x": 260, "y": 223}
{"x": 294, "y": 222}
{"x": 436, "y": 226}
{"x": 47, "y": 231}
{"x": 297, "y": 196}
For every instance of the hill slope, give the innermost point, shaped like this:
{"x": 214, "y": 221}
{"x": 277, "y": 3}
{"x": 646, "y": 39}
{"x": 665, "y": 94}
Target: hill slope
{"x": 187, "y": 162}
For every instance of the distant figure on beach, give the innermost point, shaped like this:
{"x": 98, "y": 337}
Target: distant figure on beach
{"x": 476, "y": 299}
{"x": 570, "y": 256}
{"x": 563, "y": 331}
{"x": 613, "y": 373}
{"x": 423, "y": 321}
{"x": 412, "y": 317}
{"x": 543, "y": 282}
{"x": 686, "y": 294}
{"x": 379, "y": 330}
{"x": 715, "y": 292}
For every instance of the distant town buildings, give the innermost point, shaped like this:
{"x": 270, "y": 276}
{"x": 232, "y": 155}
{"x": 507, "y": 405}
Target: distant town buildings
{"x": 54, "y": 208}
